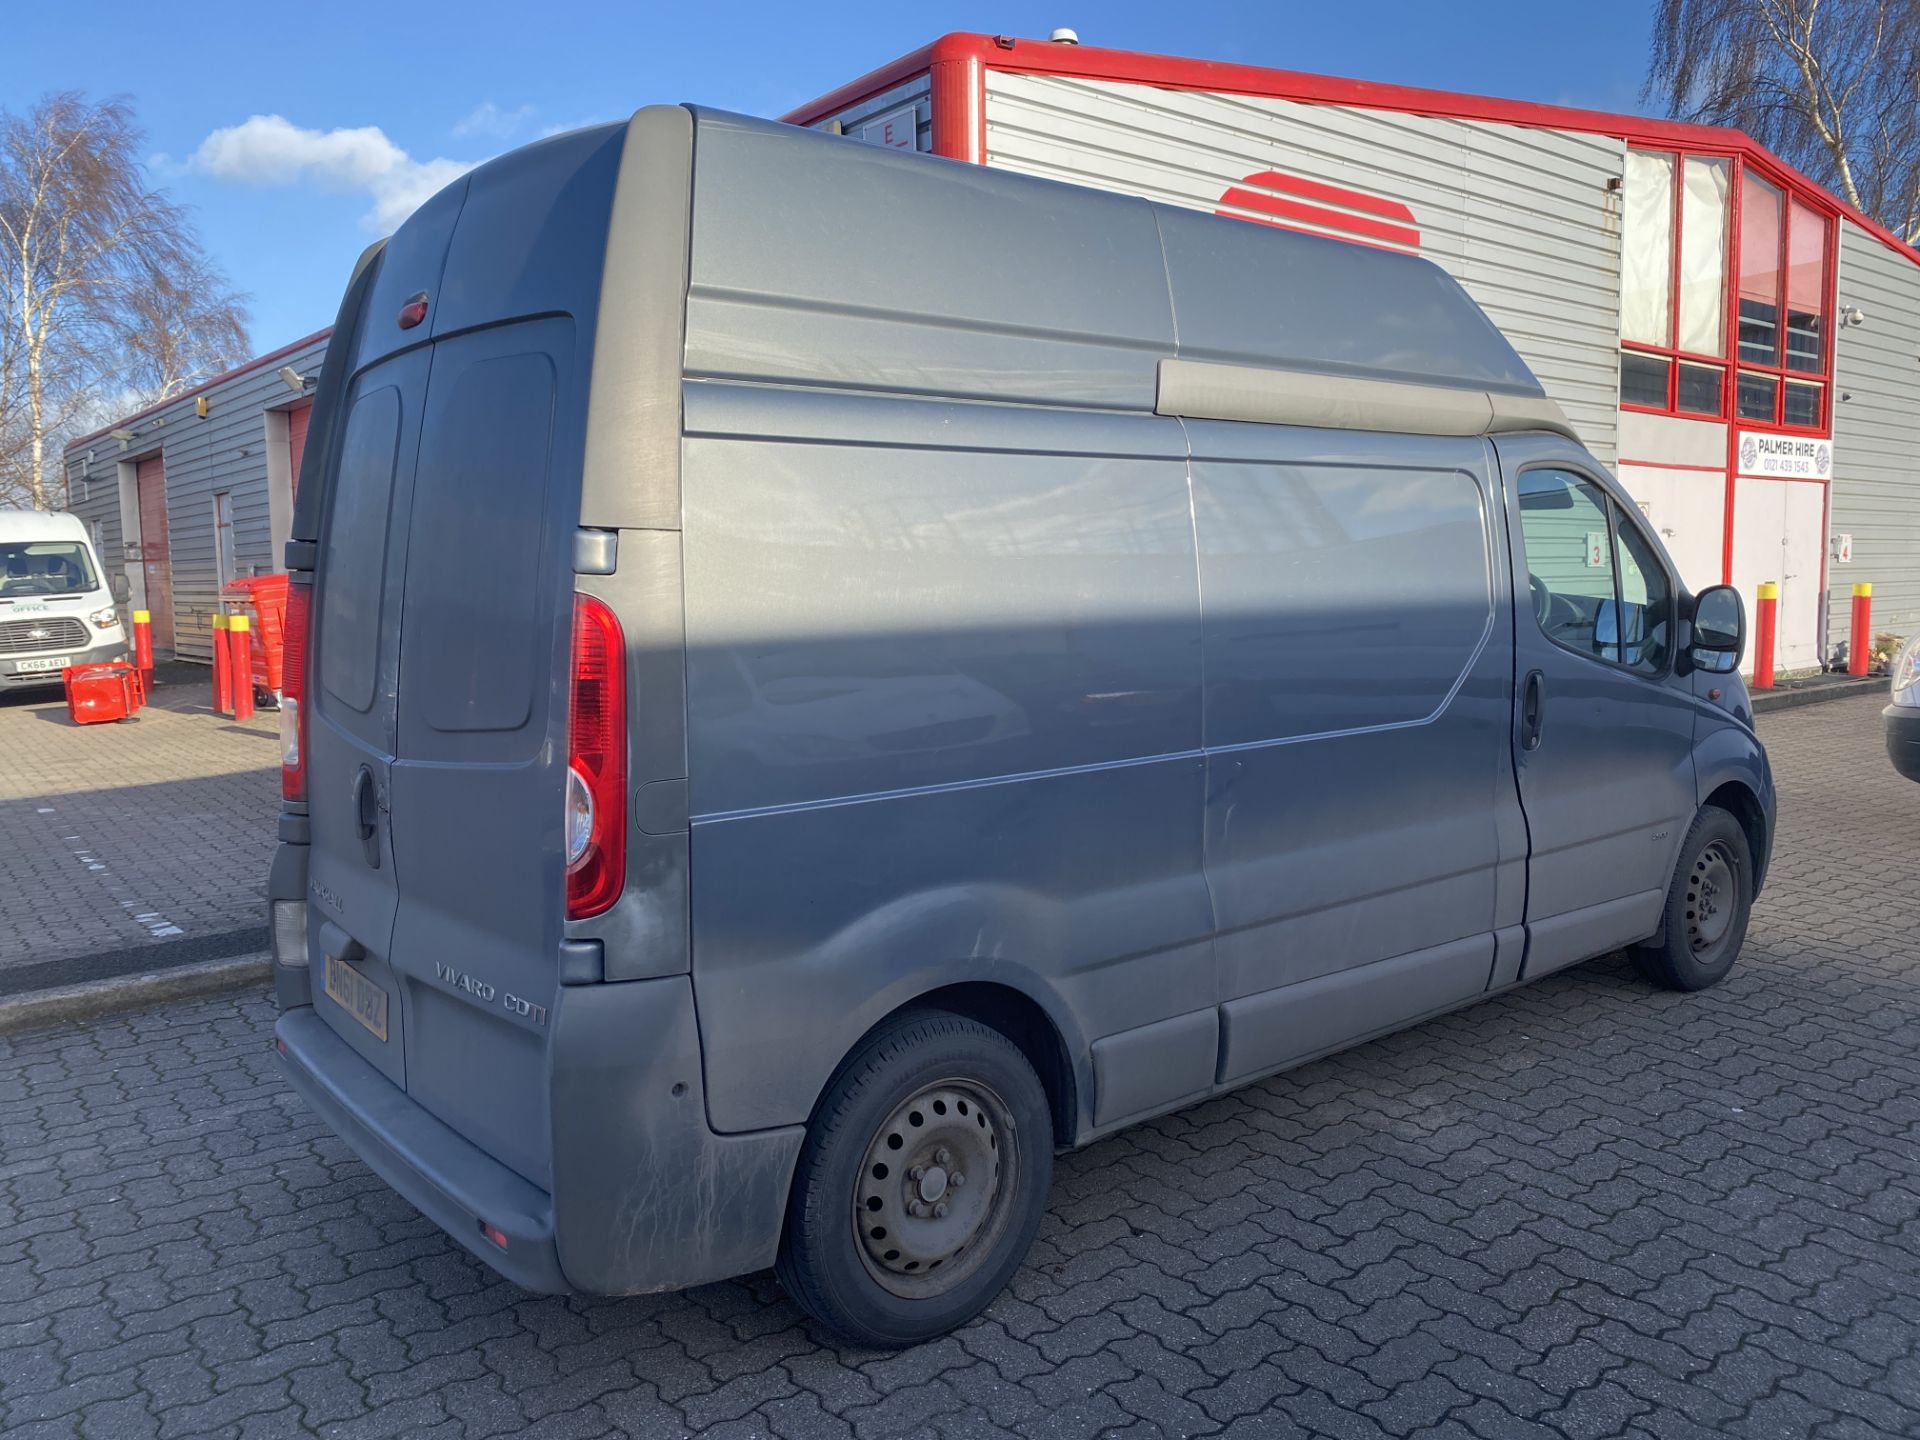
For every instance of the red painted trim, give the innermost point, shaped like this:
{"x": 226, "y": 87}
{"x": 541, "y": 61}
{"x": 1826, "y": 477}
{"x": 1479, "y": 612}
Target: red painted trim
{"x": 959, "y": 88}
{"x": 247, "y": 369}
{"x": 1667, "y": 465}
{"x": 1730, "y": 389}
{"x": 1332, "y": 194}
{"x": 893, "y": 73}
{"x": 1318, "y": 216}
{"x": 1692, "y": 357}
{"x": 1176, "y": 73}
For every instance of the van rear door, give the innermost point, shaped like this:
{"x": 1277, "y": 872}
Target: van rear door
{"x": 478, "y": 783}
{"x": 352, "y": 721}
{"x": 441, "y": 638}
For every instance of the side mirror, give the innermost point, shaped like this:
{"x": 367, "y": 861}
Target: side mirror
{"x": 122, "y": 591}
{"x": 1719, "y": 628}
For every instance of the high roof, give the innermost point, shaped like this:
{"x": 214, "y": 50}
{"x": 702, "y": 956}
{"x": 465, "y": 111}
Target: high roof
{"x": 40, "y": 525}
{"x": 958, "y": 64}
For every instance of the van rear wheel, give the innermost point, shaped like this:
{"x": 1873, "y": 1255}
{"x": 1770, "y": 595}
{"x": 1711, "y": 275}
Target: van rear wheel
{"x": 921, "y": 1183}
{"x": 1707, "y": 906}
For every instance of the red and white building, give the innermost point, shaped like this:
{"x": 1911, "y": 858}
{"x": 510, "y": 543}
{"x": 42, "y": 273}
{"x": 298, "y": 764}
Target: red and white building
{"x": 1739, "y": 343}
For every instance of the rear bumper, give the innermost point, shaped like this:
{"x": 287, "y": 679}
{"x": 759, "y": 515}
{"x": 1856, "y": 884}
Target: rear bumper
{"x": 448, "y": 1179}
{"x": 1903, "y": 739}
{"x": 645, "y": 1196}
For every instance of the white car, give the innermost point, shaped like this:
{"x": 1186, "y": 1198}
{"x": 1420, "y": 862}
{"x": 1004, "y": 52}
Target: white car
{"x": 55, "y": 607}
{"x": 1903, "y": 715}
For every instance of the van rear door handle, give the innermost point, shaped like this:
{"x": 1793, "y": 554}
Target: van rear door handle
{"x": 366, "y": 811}
{"x": 336, "y": 944}
{"x": 1533, "y": 708}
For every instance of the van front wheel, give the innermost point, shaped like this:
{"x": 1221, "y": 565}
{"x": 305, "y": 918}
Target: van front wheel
{"x": 921, "y": 1182}
{"x": 1707, "y": 906}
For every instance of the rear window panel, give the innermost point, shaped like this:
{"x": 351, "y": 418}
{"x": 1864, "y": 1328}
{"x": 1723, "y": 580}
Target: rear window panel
{"x": 477, "y": 617}
{"x": 355, "y": 566}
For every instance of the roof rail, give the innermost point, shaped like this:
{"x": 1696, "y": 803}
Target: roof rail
{"x": 1201, "y": 390}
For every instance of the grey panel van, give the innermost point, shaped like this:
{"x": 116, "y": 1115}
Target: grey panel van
{"x": 821, "y": 677}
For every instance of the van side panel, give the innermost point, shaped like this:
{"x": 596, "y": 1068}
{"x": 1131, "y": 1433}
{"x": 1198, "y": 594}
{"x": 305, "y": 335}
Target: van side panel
{"x": 1359, "y": 690}
{"x": 944, "y": 693}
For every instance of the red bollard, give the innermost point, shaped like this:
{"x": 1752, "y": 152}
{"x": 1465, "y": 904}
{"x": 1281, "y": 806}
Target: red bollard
{"x": 222, "y": 668}
{"x": 240, "y": 637}
{"x": 1765, "y": 621}
{"x": 1860, "y": 648}
{"x": 143, "y": 646}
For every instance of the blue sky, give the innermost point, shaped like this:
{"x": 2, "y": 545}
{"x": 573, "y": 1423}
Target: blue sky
{"x": 447, "y": 84}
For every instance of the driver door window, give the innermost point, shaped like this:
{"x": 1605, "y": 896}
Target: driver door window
{"x": 1596, "y": 586}
{"x": 1645, "y": 600}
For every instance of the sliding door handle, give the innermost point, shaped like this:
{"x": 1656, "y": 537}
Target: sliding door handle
{"x": 1533, "y": 710}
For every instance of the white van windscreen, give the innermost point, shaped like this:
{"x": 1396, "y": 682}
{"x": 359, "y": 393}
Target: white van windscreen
{"x": 45, "y": 567}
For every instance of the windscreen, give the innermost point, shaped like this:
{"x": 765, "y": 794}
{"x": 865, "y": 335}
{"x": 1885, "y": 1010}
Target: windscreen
{"x": 45, "y": 567}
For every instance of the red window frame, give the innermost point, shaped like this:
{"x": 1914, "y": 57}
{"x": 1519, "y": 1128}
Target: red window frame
{"x": 1780, "y": 374}
{"x": 1671, "y": 351}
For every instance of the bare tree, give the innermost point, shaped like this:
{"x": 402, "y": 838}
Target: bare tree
{"x": 182, "y": 326}
{"x": 1832, "y": 86}
{"x": 104, "y": 287}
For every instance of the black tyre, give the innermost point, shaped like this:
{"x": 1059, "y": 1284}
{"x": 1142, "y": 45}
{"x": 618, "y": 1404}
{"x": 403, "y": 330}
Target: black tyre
{"x": 921, "y": 1183}
{"x": 1707, "y": 906}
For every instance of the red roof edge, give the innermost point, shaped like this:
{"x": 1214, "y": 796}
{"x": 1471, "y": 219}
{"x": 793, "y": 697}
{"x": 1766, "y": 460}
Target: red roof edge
{"x": 1172, "y": 72}
{"x": 870, "y": 84}
{"x": 256, "y": 363}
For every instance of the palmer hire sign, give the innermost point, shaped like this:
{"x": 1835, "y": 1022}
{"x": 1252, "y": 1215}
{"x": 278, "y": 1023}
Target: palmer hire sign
{"x": 1787, "y": 457}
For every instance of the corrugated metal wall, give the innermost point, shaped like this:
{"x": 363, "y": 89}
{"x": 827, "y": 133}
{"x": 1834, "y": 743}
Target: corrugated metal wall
{"x": 94, "y": 495}
{"x": 918, "y": 91}
{"x": 1521, "y": 217}
{"x": 1876, "y": 436}
{"x": 225, "y": 451}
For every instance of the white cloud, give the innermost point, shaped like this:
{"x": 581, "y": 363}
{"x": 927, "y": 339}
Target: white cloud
{"x": 272, "y": 150}
{"x": 490, "y": 120}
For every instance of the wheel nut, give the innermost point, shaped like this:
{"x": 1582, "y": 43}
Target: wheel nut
{"x": 942, "y": 1156}
{"x": 956, "y": 1180}
{"x": 940, "y": 1211}
{"x": 918, "y": 1172}
{"x": 917, "y": 1209}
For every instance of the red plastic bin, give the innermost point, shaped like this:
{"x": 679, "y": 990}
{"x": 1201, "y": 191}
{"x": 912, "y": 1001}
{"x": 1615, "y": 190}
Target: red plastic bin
{"x": 267, "y": 594}
{"x": 97, "y": 694}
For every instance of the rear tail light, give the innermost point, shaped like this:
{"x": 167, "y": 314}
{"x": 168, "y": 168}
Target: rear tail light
{"x": 293, "y": 694}
{"x": 596, "y": 830}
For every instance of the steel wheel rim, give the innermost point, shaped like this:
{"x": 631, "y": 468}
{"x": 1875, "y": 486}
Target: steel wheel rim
{"x": 1713, "y": 897}
{"x": 933, "y": 1193}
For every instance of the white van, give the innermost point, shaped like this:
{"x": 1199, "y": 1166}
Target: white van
{"x": 55, "y": 607}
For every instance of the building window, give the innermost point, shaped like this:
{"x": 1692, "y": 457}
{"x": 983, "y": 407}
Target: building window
{"x": 1674, "y": 283}
{"x": 1783, "y": 316}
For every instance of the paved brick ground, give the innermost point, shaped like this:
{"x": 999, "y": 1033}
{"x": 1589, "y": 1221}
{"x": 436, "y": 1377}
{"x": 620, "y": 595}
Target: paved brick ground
{"x": 118, "y": 838}
{"x": 1589, "y": 1210}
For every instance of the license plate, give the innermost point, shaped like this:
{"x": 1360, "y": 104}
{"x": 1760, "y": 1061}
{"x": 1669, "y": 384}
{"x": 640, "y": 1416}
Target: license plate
{"x": 358, "y": 996}
{"x": 44, "y": 662}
